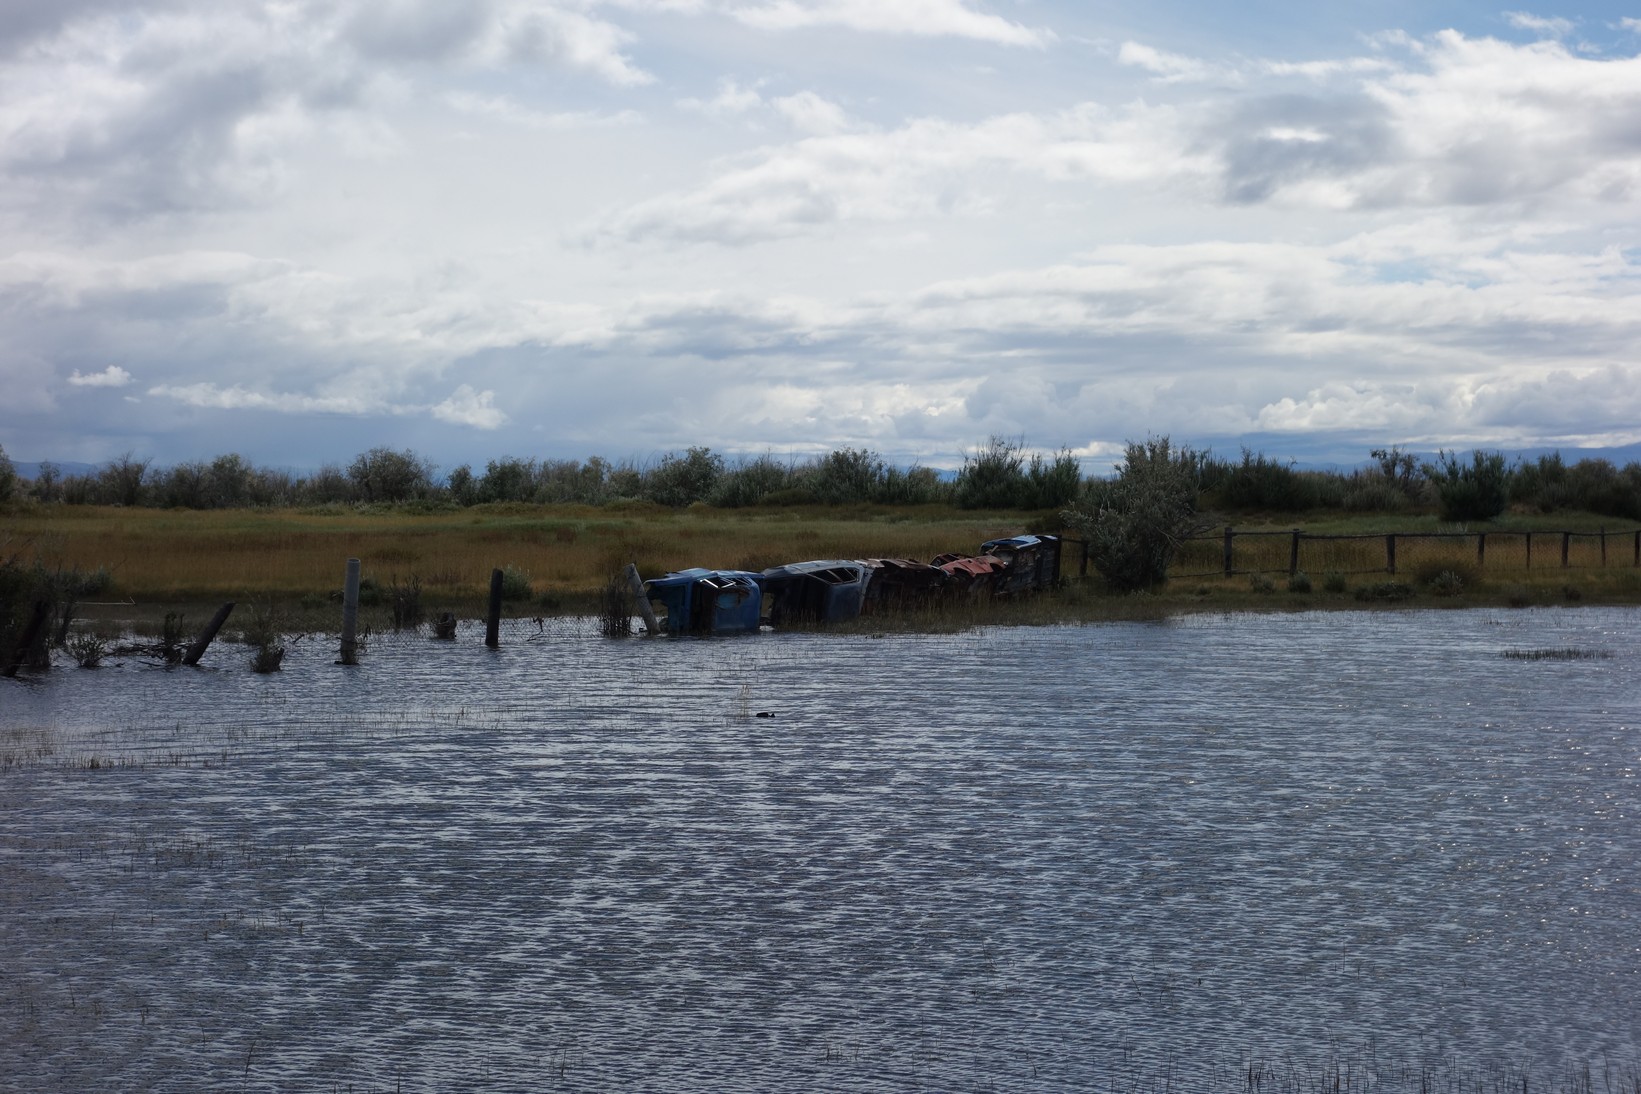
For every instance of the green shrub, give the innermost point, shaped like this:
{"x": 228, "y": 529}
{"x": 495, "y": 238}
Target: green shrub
{"x": 1477, "y": 491}
{"x": 515, "y": 584}
{"x": 87, "y": 649}
{"x": 1260, "y": 482}
{"x": 1446, "y": 583}
{"x": 1259, "y": 583}
{"x": 993, "y": 477}
{"x": 1135, "y": 523}
{"x": 1299, "y": 583}
{"x": 1385, "y": 591}
{"x": 682, "y": 480}
{"x": 1334, "y": 582}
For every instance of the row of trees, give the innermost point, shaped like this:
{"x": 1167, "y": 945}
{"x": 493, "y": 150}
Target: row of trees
{"x": 1135, "y": 522}
{"x": 999, "y": 474}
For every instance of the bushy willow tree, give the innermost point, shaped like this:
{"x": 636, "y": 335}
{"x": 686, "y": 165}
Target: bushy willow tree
{"x": 1135, "y": 523}
{"x": 1479, "y": 490}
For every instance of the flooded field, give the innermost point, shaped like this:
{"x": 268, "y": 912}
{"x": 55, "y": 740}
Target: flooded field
{"x": 1211, "y": 853}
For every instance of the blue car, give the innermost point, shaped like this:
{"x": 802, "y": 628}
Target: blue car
{"x": 699, "y": 601}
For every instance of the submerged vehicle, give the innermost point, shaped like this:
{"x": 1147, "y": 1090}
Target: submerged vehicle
{"x": 1031, "y": 563}
{"x": 901, "y": 583}
{"x": 827, "y": 591}
{"x": 701, "y": 601}
{"x": 976, "y": 575}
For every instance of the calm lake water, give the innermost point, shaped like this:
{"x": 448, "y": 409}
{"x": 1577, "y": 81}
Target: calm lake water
{"x": 1131, "y": 856}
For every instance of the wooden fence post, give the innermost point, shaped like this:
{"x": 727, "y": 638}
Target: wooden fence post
{"x": 1390, "y": 553}
{"x": 1293, "y": 554}
{"x": 1228, "y": 537}
{"x": 350, "y": 615}
{"x": 31, "y": 634}
{"x": 1481, "y": 550}
{"x": 1566, "y": 541}
{"x": 1638, "y": 548}
{"x": 1528, "y": 539}
{"x": 203, "y": 642}
{"x": 636, "y": 584}
{"x": 1603, "y": 546}
{"x": 492, "y": 619}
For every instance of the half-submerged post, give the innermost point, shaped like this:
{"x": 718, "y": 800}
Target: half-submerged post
{"x": 203, "y": 642}
{"x": 492, "y": 618}
{"x": 350, "y": 615}
{"x": 31, "y": 635}
{"x": 636, "y": 584}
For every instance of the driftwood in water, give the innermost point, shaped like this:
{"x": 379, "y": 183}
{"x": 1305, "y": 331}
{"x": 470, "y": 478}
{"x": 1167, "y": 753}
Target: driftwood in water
{"x": 445, "y": 625}
{"x": 203, "y": 642}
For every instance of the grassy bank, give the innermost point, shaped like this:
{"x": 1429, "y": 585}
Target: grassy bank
{"x": 164, "y": 559}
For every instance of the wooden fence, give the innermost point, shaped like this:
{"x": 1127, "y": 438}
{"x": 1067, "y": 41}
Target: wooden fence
{"x": 1232, "y": 552}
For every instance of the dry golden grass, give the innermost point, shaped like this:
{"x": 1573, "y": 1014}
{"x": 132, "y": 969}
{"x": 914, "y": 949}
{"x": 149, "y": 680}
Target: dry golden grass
{"x": 173, "y": 558}
{"x": 568, "y": 551}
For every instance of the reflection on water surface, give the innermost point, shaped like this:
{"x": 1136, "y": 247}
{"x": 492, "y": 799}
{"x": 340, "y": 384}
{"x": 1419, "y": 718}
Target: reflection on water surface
{"x": 1120, "y": 856}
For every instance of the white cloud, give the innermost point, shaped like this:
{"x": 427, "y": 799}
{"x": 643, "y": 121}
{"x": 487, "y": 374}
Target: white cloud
{"x": 732, "y": 100}
{"x": 468, "y": 407}
{"x": 1169, "y": 67}
{"x": 809, "y": 113}
{"x": 927, "y": 18}
{"x": 916, "y": 170}
{"x": 112, "y": 376}
{"x": 1553, "y": 27}
{"x": 513, "y": 112}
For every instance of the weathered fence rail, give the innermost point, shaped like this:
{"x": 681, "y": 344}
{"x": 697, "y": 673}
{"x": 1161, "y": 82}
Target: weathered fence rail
{"x": 1231, "y": 552}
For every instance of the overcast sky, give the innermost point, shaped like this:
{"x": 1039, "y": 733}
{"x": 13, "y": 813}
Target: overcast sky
{"x": 296, "y": 230}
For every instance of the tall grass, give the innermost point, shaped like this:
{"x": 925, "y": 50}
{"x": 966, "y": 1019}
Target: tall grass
{"x": 180, "y": 556}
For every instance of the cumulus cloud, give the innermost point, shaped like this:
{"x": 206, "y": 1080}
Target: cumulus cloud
{"x": 112, "y": 376}
{"x": 468, "y": 407}
{"x": 915, "y": 170}
{"x": 276, "y": 214}
{"x": 1459, "y": 122}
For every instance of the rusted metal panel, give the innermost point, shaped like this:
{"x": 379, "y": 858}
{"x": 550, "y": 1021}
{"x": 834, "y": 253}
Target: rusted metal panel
{"x": 901, "y": 583}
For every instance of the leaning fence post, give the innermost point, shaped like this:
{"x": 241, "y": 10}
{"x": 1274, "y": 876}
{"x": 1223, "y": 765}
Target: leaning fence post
{"x": 350, "y": 615}
{"x": 1390, "y": 553}
{"x": 1293, "y": 554}
{"x": 1566, "y": 541}
{"x": 197, "y": 650}
{"x": 492, "y": 619}
{"x": 1229, "y": 535}
{"x": 636, "y": 584}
